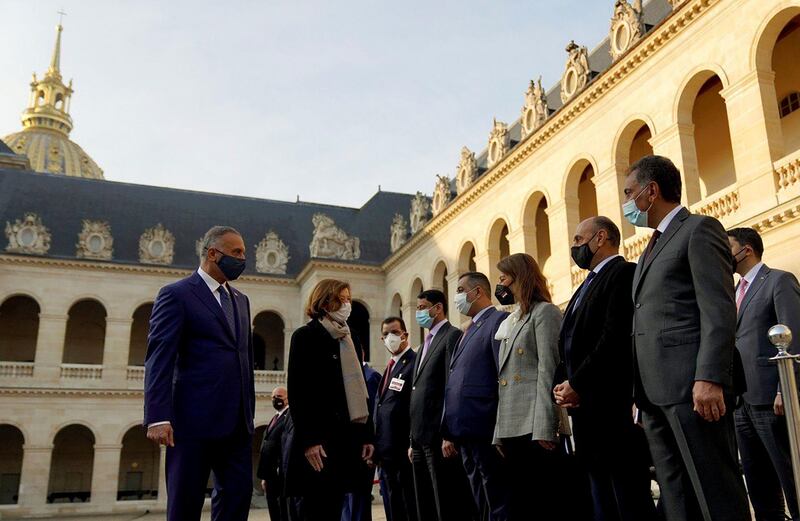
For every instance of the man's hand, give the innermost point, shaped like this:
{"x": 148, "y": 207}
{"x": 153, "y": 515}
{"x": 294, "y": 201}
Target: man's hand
{"x": 264, "y": 485}
{"x": 449, "y": 449}
{"x": 709, "y": 401}
{"x": 566, "y": 396}
{"x": 314, "y": 456}
{"x": 161, "y": 434}
{"x": 367, "y": 451}
{"x": 778, "y": 405}
{"x": 410, "y": 455}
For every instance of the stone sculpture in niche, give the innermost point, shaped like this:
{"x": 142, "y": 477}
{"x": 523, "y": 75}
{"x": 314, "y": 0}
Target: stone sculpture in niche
{"x": 331, "y": 242}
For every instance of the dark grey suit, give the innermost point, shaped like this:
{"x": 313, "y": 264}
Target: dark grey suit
{"x": 684, "y": 323}
{"x": 772, "y": 298}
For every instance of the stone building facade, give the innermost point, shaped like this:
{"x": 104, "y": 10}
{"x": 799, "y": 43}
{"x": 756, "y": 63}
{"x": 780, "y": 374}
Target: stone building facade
{"x": 712, "y": 84}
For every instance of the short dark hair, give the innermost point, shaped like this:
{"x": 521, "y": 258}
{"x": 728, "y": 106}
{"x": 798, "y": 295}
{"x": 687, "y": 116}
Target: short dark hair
{"x": 748, "y": 237}
{"x": 476, "y": 278}
{"x": 434, "y": 296}
{"x": 602, "y": 222}
{"x": 213, "y": 235}
{"x": 389, "y": 320}
{"x": 661, "y": 171}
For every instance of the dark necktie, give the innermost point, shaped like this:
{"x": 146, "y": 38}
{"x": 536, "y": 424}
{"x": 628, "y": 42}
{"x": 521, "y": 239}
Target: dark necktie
{"x": 273, "y": 422}
{"x": 651, "y": 244}
{"x": 387, "y": 376}
{"x": 227, "y": 308}
{"x": 582, "y": 291}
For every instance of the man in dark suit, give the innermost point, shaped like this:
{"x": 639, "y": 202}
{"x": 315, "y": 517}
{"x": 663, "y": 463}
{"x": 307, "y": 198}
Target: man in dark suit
{"x": 764, "y": 297}
{"x": 440, "y": 484}
{"x": 595, "y": 377}
{"x": 392, "y": 422}
{"x": 470, "y": 397}
{"x": 199, "y": 395}
{"x": 270, "y": 463}
{"x": 684, "y": 323}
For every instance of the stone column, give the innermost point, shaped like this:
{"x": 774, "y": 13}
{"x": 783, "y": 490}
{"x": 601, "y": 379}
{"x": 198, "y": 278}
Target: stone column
{"x": 287, "y": 343}
{"x": 609, "y": 185}
{"x": 50, "y": 347}
{"x": 523, "y": 240}
{"x": 453, "y": 316}
{"x": 115, "y": 351}
{"x": 561, "y": 216}
{"x": 677, "y": 143}
{"x": 409, "y": 310}
{"x": 756, "y": 138}
{"x": 35, "y": 476}
{"x": 105, "y": 475}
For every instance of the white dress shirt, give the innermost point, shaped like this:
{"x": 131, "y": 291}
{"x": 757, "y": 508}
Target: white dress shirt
{"x": 750, "y": 276}
{"x": 662, "y": 226}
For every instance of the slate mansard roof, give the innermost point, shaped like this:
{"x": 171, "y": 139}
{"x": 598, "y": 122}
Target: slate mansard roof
{"x": 64, "y": 202}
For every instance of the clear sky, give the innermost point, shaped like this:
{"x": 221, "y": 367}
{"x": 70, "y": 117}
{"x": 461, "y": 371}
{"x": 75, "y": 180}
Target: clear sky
{"x": 279, "y": 98}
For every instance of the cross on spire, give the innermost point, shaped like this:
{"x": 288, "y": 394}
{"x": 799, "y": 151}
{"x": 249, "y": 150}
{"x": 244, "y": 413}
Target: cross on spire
{"x": 61, "y": 16}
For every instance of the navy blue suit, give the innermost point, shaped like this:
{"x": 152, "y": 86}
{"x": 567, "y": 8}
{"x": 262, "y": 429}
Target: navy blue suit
{"x": 470, "y": 412}
{"x": 199, "y": 377}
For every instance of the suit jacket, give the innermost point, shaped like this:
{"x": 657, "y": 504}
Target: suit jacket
{"x": 392, "y": 420}
{"x": 320, "y": 415}
{"x": 198, "y": 372}
{"x": 470, "y": 395}
{"x": 528, "y": 360}
{"x": 427, "y": 391}
{"x": 684, "y": 318}
{"x": 270, "y": 460}
{"x": 773, "y": 298}
{"x": 373, "y": 379}
{"x": 599, "y": 365}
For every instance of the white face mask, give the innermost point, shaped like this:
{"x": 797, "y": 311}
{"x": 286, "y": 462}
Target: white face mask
{"x": 462, "y": 305}
{"x": 342, "y": 314}
{"x": 393, "y": 343}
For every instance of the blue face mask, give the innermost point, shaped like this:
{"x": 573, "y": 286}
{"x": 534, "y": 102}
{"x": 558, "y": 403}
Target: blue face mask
{"x": 633, "y": 214}
{"x": 424, "y": 319}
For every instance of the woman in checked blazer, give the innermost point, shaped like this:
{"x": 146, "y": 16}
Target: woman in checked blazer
{"x": 527, "y": 427}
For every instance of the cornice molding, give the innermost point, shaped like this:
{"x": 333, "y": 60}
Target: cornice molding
{"x": 316, "y": 264}
{"x": 656, "y": 39}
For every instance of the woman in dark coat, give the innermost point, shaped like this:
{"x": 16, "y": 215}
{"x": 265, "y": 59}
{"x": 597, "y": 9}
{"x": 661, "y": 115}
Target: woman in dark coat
{"x": 329, "y": 406}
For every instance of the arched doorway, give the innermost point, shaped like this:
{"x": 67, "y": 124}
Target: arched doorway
{"x": 19, "y": 323}
{"x": 440, "y": 279}
{"x": 587, "y": 195}
{"x": 71, "y": 465}
{"x": 268, "y": 341}
{"x": 415, "y": 332}
{"x": 139, "y": 331}
{"x": 498, "y": 247}
{"x": 466, "y": 259}
{"x": 787, "y": 83}
{"x": 86, "y": 333}
{"x": 712, "y": 139}
{"x": 632, "y": 144}
{"x": 396, "y": 308}
{"x": 138, "y": 466}
{"x": 11, "y": 443}
{"x": 359, "y": 326}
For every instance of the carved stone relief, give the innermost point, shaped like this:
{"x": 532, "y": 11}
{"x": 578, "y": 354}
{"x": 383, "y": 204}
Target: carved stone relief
{"x": 272, "y": 255}
{"x": 534, "y": 112}
{"x": 576, "y": 72}
{"x": 420, "y": 211}
{"x": 95, "y": 241}
{"x": 28, "y": 235}
{"x": 499, "y": 142}
{"x": 467, "y": 170}
{"x": 156, "y": 246}
{"x": 331, "y": 242}
{"x": 627, "y": 27}
{"x": 441, "y": 194}
{"x": 399, "y": 231}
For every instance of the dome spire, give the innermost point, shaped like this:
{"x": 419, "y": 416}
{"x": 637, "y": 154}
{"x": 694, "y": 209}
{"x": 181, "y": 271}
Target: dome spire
{"x": 55, "y": 61}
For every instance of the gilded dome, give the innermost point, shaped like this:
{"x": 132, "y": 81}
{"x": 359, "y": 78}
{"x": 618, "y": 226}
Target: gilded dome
{"x": 47, "y": 123}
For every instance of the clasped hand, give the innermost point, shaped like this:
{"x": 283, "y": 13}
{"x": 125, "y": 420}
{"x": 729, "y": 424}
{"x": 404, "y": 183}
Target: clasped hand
{"x": 566, "y": 396}
{"x": 316, "y": 455}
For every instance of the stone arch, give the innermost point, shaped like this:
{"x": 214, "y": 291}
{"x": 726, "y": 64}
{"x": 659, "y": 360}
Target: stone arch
{"x": 536, "y": 226}
{"x": 12, "y": 441}
{"x": 19, "y": 323}
{"x": 632, "y": 143}
{"x": 439, "y": 280}
{"x": 396, "y": 306}
{"x": 268, "y": 341}
{"x": 466, "y": 257}
{"x": 139, "y": 466}
{"x": 140, "y": 328}
{"x": 71, "y": 465}
{"x": 497, "y": 246}
{"x": 86, "y": 332}
{"x": 416, "y": 333}
{"x": 580, "y": 195}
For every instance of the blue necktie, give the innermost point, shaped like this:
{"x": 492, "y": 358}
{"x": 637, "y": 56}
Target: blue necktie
{"x": 227, "y": 308}
{"x": 582, "y": 292}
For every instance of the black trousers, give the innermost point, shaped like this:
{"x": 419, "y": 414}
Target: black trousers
{"x": 488, "y": 477}
{"x": 398, "y": 478}
{"x": 696, "y": 464}
{"x": 440, "y": 486}
{"x": 614, "y": 453}
{"x": 764, "y": 446}
{"x": 322, "y": 507}
{"x": 277, "y": 502}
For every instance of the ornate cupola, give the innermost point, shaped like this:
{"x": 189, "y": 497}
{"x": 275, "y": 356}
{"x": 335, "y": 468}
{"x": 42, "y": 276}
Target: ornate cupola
{"x": 46, "y": 126}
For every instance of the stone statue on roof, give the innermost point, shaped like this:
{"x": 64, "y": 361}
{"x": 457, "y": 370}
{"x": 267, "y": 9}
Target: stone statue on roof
{"x": 331, "y": 242}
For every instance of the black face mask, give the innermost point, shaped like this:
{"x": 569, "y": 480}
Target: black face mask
{"x": 278, "y": 403}
{"x": 231, "y": 267}
{"x": 504, "y": 295}
{"x": 736, "y": 261}
{"x": 583, "y": 254}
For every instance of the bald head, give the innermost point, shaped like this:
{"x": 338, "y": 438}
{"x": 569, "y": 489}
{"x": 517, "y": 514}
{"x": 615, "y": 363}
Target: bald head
{"x": 602, "y": 235}
{"x": 280, "y": 393}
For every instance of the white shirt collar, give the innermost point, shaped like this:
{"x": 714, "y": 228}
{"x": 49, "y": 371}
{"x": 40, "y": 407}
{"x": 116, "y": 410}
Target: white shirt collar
{"x": 751, "y": 275}
{"x": 481, "y": 312}
{"x": 435, "y": 329}
{"x": 662, "y": 226}
{"x": 212, "y": 284}
{"x": 280, "y": 413}
{"x": 400, "y": 355}
{"x": 602, "y": 264}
